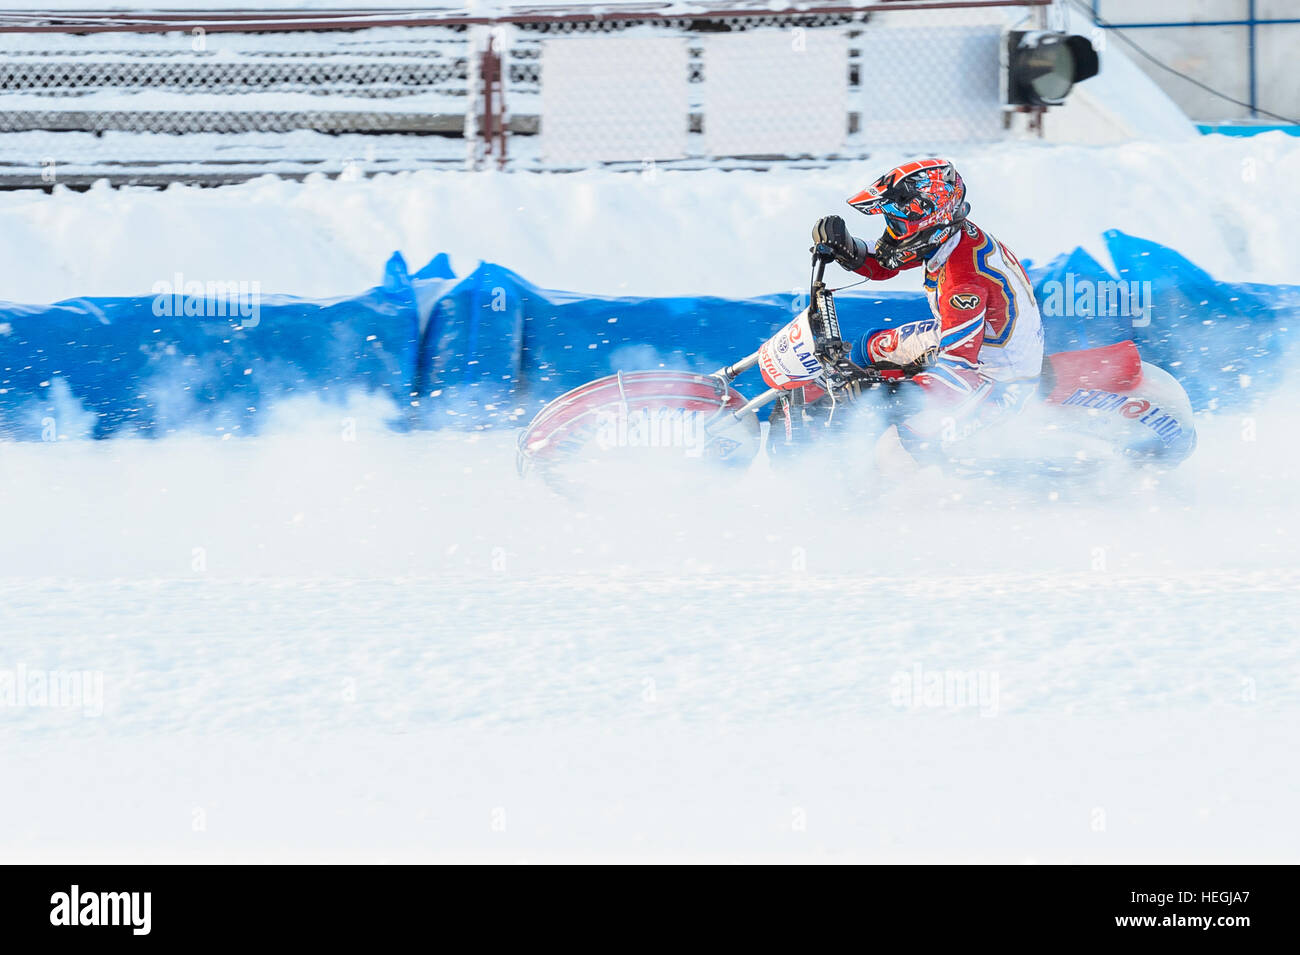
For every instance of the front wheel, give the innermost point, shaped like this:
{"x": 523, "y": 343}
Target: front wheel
{"x": 630, "y": 421}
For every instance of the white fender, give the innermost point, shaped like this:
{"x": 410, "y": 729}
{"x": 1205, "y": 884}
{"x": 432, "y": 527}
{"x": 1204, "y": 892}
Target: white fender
{"x": 1152, "y": 420}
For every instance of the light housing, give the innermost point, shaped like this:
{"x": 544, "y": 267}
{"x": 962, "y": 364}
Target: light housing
{"x": 1043, "y": 66}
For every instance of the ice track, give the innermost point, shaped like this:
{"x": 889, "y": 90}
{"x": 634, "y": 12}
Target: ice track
{"x": 391, "y": 648}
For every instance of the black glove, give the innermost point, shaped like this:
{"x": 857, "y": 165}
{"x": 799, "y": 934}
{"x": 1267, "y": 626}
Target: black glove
{"x": 849, "y": 252}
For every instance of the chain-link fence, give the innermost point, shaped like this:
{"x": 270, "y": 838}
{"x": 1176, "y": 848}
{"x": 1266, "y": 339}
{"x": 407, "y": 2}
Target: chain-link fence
{"x": 216, "y": 105}
{"x": 219, "y": 99}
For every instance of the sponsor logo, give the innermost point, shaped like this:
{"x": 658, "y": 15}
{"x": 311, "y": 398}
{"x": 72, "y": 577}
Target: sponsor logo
{"x": 1164, "y": 424}
{"x": 827, "y": 304}
{"x": 788, "y": 357}
{"x": 884, "y": 343}
{"x": 721, "y": 448}
{"x": 809, "y": 362}
{"x": 966, "y": 301}
{"x": 912, "y": 343}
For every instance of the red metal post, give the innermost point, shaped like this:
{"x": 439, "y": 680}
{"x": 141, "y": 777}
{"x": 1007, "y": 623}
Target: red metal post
{"x": 494, "y": 107}
{"x": 490, "y": 70}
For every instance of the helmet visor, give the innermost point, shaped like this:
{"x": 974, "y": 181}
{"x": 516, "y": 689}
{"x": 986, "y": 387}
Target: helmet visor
{"x": 897, "y": 226}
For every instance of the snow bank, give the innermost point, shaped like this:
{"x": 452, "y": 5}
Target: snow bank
{"x": 1227, "y": 204}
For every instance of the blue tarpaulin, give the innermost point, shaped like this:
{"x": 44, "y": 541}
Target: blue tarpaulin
{"x": 488, "y": 348}
{"x": 95, "y": 367}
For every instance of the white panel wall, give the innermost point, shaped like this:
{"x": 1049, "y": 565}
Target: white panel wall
{"x": 924, "y": 84}
{"x": 1277, "y": 50}
{"x": 776, "y": 92}
{"x": 609, "y": 98}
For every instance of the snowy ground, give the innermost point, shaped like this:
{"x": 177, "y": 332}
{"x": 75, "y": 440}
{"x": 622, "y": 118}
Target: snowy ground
{"x": 390, "y": 648}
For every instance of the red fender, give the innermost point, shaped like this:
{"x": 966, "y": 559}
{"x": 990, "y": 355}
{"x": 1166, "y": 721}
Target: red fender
{"x": 1116, "y": 368}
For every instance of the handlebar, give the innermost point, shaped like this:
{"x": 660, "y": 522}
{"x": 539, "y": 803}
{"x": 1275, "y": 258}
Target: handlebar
{"x": 822, "y": 256}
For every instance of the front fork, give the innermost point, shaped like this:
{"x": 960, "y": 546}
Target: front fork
{"x": 798, "y": 421}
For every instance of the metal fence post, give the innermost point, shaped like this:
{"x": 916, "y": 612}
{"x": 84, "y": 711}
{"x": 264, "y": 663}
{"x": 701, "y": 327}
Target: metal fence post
{"x": 494, "y": 102}
{"x": 473, "y": 86}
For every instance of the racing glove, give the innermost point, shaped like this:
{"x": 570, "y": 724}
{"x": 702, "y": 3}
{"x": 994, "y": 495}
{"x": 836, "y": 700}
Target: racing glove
{"x": 849, "y": 252}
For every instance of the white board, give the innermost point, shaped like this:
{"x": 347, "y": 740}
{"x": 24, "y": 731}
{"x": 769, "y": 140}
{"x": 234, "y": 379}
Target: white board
{"x": 610, "y": 98}
{"x": 776, "y": 92}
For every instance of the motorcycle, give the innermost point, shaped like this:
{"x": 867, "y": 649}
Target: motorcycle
{"x": 1090, "y": 405}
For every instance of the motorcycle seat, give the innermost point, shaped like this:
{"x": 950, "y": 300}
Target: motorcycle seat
{"x": 1116, "y": 368}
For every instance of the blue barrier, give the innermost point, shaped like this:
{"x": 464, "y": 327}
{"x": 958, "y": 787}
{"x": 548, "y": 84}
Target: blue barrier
{"x": 1208, "y": 334}
{"x": 488, "y": 348}
{"x": 498, "y": 346}
{"x": 98, "y": 367}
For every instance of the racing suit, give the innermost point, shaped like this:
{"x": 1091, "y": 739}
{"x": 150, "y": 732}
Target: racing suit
{"x": 979, "y": 358}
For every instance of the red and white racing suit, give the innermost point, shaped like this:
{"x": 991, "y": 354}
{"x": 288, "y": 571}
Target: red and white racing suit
{"x": 982, "y": 352}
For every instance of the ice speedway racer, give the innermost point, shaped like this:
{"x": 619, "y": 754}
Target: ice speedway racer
{"x": 967, "y": 389}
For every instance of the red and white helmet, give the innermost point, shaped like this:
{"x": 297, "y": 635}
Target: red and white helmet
{"x": 923, "y": 203}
